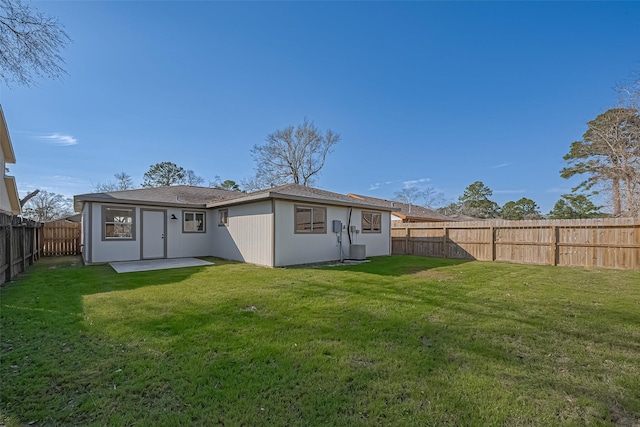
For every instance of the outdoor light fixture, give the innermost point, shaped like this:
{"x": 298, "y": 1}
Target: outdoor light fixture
{"x": 173, "y": 216}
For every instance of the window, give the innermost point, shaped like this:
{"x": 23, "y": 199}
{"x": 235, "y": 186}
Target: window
{"x": 311, "y": 219}
{"x": 118, "y": 223}
{"x": 223, "y": 217}
{"x": 193, "y": 222}
{"x": 371, "y": 222}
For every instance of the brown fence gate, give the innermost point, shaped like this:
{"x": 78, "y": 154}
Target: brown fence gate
{"x": 61, "y": 238}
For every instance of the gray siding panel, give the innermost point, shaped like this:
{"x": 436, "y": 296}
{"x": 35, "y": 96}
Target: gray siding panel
{"x": 248, "y": 235}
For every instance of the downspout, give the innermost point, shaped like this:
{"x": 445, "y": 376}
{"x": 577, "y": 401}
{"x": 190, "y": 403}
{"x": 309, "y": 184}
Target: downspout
{"x": 349, "y": 225}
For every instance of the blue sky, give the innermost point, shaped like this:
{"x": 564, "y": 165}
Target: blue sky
{"x": 423, "y": 93}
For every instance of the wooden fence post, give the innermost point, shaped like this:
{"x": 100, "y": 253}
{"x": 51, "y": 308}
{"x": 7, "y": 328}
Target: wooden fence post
{"x": 554, "y": 245}
{"x": 9, "y": 248}
{"x": 445, "y": 243}
{"x": 493, "y": 243}
{"x": 407, "y": 234}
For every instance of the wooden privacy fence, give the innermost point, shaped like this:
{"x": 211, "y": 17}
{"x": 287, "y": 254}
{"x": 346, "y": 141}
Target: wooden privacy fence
{"x": 61, "y": 238}
{"x": 608, "y": 242}
{"x": 19, "y": 247}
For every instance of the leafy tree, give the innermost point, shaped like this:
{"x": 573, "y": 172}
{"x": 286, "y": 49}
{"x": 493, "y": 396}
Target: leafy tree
{"x": 228, "y": 185}
{"x": 450, "y": 209}
{"x": 609, "y": 156}
{"x": 164, "y": 174}
{"x": 575, "y": 206}
{"x": 30, "y": 44}
{"x": 46, "y": 206}
{"x": 522, "y": 209}
{"x": 475, "y": 202}
{"x": 123, "y": 182}
{"x": 292, "y": 155}
{"x": 192, "y": 179}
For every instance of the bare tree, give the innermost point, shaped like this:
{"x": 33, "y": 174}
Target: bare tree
{"x": 30, "y": 44}
{"x": 123, "y": 182}
{"x": 432, "y": 198}
{"x": 629, "y": 92}
{"x": 293, "y": 154}
{"x": 192, "y": 179}
{"x": 46, "y": 206}
{"x": 428, "y": 197}
{"x": 254, "y": 183}
{"x": 28, "y": 197}
{"x": 408, "y": 195}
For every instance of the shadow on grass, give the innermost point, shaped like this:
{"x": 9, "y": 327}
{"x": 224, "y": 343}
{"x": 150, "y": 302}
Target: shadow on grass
{"x": 396, "y": 265}
{"x": 307, "y": 346}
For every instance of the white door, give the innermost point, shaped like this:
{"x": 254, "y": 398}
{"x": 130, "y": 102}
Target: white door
{"x": 154, "y": 228}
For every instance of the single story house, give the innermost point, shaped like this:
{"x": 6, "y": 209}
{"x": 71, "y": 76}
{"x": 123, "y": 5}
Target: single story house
{"x": 286, "y": 225}
{"x": 405, "y": 212}
{"x": 9, "y": 199}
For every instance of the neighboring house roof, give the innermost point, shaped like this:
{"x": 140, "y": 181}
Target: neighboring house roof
{"x": 461, "y": 217}
{"x": 70, "y": 218}
{"x": 299, "y": 193}
{"x": 200, "y": 197}
{"x": 407, "y": 212}
{"x": 176, "y": 195}
{"x": 9, "y": 156}
{"x": 5, "y": 140}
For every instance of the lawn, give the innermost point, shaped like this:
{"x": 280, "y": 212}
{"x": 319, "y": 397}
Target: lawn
{"x": 397, "y": 341}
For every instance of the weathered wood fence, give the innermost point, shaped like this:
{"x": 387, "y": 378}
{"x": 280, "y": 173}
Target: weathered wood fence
{"x": 61, "y": 238}
{"x": 19, "y": 245}
{"x": 608, "y": 242}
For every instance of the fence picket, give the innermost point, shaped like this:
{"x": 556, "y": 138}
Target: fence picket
{"x": 602, "y": 242}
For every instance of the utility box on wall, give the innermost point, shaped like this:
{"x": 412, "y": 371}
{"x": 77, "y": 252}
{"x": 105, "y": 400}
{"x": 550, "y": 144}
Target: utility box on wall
{"x": 337, "y": 226}
{"x": 357, "y": 252}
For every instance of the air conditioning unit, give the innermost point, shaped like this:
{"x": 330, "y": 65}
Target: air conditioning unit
{"x": 357, "y": 252}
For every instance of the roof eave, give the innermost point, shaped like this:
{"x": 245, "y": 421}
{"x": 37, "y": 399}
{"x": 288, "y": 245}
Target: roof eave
{"x": 5, "y": 140}
{"x": 294, "y": 198}
{"x": 14, "y": 198}
{"x": 78, "y": 202}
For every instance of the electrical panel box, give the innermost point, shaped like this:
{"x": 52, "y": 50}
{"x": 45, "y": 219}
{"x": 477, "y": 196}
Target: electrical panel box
{"x": 352, "y": 228}
{"x": 337, "y": 226}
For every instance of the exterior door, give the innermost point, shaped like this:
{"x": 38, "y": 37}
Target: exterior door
{"x": 154, "y": 230}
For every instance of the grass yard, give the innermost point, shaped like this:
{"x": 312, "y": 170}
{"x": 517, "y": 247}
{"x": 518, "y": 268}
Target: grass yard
{"x": 398, "y": 341}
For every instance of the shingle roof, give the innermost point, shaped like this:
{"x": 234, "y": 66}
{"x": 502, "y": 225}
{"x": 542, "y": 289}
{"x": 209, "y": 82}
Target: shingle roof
{"x": 298, "y": 192}
{"x": 182, "y": 195}
{"x": 405, "y": 210}
{"x": 176, "y": 195}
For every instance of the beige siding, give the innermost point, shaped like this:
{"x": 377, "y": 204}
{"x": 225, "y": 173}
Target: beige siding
{"x": 292, "y": 248}
{"x": 248, "y": 236}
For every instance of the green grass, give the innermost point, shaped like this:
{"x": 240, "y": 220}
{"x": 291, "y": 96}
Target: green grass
{"x": 398, "y": 341}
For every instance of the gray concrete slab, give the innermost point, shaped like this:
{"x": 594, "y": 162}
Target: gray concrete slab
{"x": 156, "y": 264}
